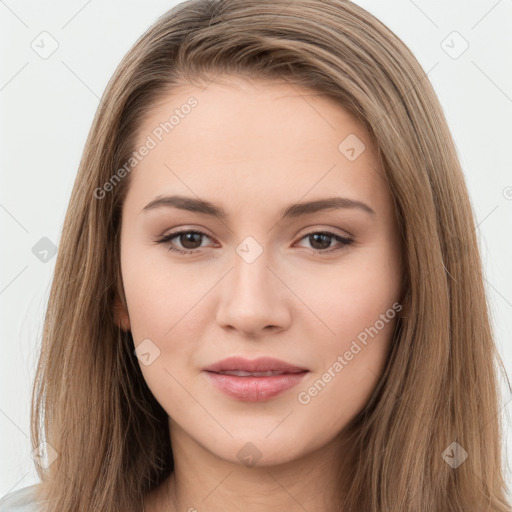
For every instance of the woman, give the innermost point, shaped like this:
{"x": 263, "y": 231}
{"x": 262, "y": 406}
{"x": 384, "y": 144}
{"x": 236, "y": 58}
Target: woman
{"x": 268, "y": 292}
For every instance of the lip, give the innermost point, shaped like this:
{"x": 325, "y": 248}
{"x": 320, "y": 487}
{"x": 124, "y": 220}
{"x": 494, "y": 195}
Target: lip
{"x": 261, "y": 364}
{"x": 254, "y": 388}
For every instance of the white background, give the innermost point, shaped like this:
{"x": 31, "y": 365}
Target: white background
{"x": 46, "y": 110}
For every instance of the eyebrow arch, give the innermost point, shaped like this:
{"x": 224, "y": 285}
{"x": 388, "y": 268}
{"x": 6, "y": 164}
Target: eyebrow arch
{"x": 292, "y": 211}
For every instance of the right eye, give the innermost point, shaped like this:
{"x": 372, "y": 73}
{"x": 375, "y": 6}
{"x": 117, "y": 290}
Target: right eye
{"x": 195, "y": 235}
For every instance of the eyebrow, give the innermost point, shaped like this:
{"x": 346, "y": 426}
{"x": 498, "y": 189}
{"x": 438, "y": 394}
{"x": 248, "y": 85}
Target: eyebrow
{"x": 295, "y": 210}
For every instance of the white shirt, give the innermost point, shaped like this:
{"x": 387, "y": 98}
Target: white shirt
{"x": 21, "y": 500}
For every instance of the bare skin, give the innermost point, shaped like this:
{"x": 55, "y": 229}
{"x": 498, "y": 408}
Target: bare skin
{"x": 254, "y": 148}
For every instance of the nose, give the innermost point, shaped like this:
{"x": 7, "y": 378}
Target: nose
{"x": 254, "y": 298}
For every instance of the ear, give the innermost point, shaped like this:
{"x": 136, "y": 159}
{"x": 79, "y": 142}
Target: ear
{"x": 121, "y": 317}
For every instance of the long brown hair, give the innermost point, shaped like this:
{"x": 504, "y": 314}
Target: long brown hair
{"x": 90, "y": 402}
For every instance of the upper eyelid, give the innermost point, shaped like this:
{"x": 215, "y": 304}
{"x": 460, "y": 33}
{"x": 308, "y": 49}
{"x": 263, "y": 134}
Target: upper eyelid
{"x": 174, "y": 234}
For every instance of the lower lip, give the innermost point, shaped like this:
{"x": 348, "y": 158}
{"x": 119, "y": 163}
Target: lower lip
{"x": 255, "y": 389}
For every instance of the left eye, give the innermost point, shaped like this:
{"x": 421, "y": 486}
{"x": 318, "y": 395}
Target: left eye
{"x": 320, "y": 237}
{"x": 190, "y": 238}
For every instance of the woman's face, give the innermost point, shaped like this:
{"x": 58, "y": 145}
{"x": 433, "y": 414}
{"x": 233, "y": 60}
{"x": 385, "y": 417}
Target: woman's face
{"x": 256, "y": 282}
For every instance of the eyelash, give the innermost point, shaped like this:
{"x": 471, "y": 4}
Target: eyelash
{"x": 343, "y": 240}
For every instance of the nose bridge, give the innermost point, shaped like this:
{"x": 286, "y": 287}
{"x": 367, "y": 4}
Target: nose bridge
{"x": 252, "y": 298}
{"x": 252, "y": 279}
{"x": 251, "y": 275}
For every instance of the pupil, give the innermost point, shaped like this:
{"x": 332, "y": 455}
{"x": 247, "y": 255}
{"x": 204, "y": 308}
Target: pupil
{"x": 188, "y": 237}
{"x": 326, "y": 239}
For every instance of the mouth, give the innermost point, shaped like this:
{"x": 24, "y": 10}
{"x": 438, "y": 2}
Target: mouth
{"x": 254, "y": 386}
{"x": 254, "y": 380}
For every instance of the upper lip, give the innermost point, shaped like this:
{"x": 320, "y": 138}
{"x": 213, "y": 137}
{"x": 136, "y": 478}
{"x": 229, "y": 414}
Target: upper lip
{"x": 261, "y": 364}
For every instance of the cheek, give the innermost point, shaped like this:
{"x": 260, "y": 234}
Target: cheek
{"x": 353, "y": 294}
{"x": 350, "y": 364}
{"x": 167, "y": 306}
{"x": 355, "y": 355}
{"x": 165, "y": 320}
{"x": 158, "y": 292}
{"x": 358, "y": 301}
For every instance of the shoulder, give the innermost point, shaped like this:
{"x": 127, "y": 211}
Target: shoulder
{"x": 21, "y": 500}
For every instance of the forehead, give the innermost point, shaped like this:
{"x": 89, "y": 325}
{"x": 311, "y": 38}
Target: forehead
{"x": 243, "y": 136}
{"x": 237, "y": 109}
